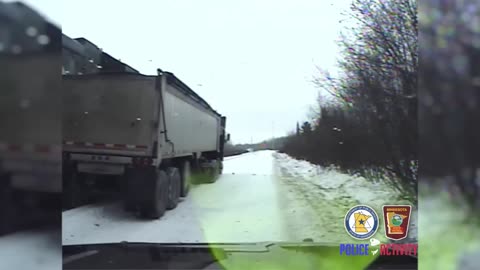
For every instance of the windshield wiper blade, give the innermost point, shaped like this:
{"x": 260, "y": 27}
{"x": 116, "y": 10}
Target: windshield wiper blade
{"x": 79, "y": 256}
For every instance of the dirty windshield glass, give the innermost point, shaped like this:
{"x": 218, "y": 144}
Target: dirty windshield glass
{"x": 297, "y": 123}
{"x": 239, "y": 134}
{"x": 241, "y": 122}
{"x": 216, "y": 123}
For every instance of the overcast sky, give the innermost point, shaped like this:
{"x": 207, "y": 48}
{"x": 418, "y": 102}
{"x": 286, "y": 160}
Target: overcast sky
{"x": 251, "y": 60}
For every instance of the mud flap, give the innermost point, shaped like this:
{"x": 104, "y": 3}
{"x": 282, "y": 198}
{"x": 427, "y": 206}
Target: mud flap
{"x": 73, "y": 192}
{"x": 139, "y": 183}
{"x": 186, "y": 178}
{"x": 211, "y": 171}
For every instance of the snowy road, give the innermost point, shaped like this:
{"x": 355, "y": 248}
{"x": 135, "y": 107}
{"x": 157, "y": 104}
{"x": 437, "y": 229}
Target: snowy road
{"x": 261, "y": 196}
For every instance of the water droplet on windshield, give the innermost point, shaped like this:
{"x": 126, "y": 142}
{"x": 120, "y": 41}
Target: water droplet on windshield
{"x": 43, "y": 39}
{"x": 24, "y": 103}
{"x": 476, "y": 81}
{"x": 91, "y": 60}
{"x": 16, "y": 49}
{"x": 428, "y": 100}
{"x": 99, "y": 66}
{"x": 31, "y": 31}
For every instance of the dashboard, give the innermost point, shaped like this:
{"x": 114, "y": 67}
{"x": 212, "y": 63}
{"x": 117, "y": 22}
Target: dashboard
{"x": 204, "y": 256}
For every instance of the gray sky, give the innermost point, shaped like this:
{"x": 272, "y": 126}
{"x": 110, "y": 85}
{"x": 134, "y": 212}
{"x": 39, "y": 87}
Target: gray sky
{"x": 251, "y": 60}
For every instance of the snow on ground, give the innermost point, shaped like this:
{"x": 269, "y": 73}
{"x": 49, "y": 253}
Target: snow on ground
{"x": 261, "y": 196}
{"x": 323, "y": 196}
{"x": 254, "y": 163}
{"x": 240, "y": 207}
{"x": 31, "y": 250}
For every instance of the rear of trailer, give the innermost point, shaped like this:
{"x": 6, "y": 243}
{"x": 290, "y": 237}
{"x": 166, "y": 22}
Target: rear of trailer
{"x": 142, "y": 134}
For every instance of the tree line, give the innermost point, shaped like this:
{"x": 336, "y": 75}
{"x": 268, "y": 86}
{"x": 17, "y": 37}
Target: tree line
{"x": 388, "y": 114}
{"x": 371, "y": 121}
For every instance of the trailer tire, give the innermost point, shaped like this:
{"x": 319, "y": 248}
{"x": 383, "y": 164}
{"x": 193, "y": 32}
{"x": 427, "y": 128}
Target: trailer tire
{"x": 174, "y": 185}
{"x": 186, "y": 178}
{"x": 158, "y": 203}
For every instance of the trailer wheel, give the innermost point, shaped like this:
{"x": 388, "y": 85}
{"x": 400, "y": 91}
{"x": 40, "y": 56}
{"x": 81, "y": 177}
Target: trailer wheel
{"x": 174, "y": 185}
{"x": 186, "y": 178}
{"x": 158, "y": 202}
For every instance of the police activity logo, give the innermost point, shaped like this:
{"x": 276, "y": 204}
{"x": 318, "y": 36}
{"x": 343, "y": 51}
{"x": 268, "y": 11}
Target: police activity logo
{"x": 361, "y": 222}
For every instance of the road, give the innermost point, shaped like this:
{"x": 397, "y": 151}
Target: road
{"x": 261, "y": 196}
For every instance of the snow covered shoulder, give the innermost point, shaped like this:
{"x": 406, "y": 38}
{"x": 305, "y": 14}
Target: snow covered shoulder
{"x": 324, "y": 195}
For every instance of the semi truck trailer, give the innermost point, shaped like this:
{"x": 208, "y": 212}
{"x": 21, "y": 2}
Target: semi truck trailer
{"x": 149, "y": 137}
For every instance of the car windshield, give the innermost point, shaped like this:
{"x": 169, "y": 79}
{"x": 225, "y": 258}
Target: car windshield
{"x": 294, "y": 167}
{"x": 226, "y": 122}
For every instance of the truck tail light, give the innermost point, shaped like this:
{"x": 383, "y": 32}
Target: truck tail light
{"x": 142, "y": 161}
{"x": 147, "y": 161}
{"x": 134, "y": 161}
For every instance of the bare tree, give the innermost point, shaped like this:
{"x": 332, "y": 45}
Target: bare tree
{"x": 379, "y": 78}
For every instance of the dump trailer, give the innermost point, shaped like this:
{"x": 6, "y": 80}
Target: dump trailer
{"x": 150, "y": 137}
